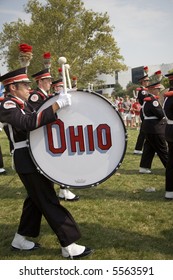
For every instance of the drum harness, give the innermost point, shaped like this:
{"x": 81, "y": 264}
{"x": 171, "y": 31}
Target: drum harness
{"x": 16, "y": 145}
{"x": 154, "y": 117}
{"x": 146, "y": 117}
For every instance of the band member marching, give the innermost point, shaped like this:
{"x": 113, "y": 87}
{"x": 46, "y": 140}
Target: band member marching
{"x": 43, "y": 79}
{"x": 41, "y": 199}
{"x": 57, "y": 87}
{"x": 153, "y": 126}
{"x": 142, "y": 93}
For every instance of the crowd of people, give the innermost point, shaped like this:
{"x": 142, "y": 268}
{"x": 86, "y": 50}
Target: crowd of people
{"x": 129, "y": 109}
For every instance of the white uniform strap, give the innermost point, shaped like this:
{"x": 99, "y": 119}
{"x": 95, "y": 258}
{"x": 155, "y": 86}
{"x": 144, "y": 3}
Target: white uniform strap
{"x": 17, "y": 145}
{"x": 145, "y": 117}
{"x": 169, "y": 121}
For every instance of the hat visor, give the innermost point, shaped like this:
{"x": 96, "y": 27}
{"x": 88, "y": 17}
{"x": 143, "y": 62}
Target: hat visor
{"x": 23, "y": 81}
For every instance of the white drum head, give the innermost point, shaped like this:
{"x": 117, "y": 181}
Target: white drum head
{"x": 85, "y": 146}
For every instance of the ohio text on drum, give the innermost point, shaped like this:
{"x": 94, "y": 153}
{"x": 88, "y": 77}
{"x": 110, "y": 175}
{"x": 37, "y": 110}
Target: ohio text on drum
{"x": 84, "y": 146}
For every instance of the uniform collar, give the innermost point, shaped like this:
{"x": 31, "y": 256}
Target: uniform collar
{"x": 43, "y": 91}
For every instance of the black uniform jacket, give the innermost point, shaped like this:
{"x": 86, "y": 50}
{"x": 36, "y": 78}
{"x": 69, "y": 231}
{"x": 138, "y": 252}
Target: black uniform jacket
{"x": 154, "y": 119}
{"x": 22, "y": 119}
{"x": 168, "y": 109}
{"x": 36, "y": 98}
{"x": 142, "y": 93}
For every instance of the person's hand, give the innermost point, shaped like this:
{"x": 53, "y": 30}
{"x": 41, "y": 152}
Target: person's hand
{"x": 64, "y": 100}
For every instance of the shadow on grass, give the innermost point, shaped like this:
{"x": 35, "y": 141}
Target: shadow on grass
{"x": 101, "y": 192}
{"x": 155, "y": 171}
{"x": 126, "y": 243}
{"x": 119, "y": 194}
{"x": 11, "y": 192}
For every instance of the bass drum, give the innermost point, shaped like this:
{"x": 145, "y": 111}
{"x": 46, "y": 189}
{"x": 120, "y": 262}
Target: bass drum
{"x": 85, "y": 146}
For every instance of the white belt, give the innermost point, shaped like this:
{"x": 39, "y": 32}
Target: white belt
{"x": 20, "y": 145}
{"x": 150, "y": 118}
{"x": 169, "y": 121}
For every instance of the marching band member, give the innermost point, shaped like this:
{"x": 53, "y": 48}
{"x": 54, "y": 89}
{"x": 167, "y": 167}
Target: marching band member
{"x": 74, "y": 82}
{"x": 44, "y": 81}
{"x": 168, "y": 109}
{"x": 64, "y": 192}
{"x": 57, "y": 86}
{"x": 41, "y": 199}
{"x": 144, "y": 81}
{"x": 153, "y": 126}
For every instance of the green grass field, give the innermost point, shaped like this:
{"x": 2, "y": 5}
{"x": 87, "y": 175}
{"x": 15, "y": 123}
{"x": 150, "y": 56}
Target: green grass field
{"x": 118, "y": 218}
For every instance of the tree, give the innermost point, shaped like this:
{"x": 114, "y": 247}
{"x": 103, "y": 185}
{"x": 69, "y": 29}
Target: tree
{"x": 130, "y": 89}
{"x": 118, "y": 91}
{"x": 64, "y": 28}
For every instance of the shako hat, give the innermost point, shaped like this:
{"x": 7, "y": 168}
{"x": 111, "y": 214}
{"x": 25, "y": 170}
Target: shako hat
{"x": 143, "y": 77}
{"x": 155, "y": 86}
{"x": 58, "y": 82}
{"x": 43, "y": 74}
{"x": 169, "y": 76}
{"x": 16, "y": 76}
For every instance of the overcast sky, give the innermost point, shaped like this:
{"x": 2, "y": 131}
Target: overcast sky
{"x": 143, "y": 28}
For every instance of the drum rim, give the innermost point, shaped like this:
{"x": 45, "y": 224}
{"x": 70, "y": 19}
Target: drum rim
{"x": 100, "y": 181}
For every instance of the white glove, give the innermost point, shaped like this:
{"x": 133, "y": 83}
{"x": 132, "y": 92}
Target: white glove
{"x": 64, "y": 99}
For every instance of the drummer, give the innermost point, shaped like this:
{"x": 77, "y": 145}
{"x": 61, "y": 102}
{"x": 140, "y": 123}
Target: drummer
{"x": 43, "y": 79}
{"x": 41, "y": 199}
{"x": 57, "y": 86}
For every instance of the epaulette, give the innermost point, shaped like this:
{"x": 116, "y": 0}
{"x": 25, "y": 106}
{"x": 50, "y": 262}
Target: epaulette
{"x": 149, "y": 98}
{"x": 39, "y": 93}
{"x": 168, "y": 93}
{"x": 19, "y": 102}
{"x": 141, "y": 88}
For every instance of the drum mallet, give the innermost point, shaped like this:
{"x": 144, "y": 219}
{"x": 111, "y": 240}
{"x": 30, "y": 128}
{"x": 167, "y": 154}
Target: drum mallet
{"x": 67, "y": 67}
{"x": 62, "y": 60}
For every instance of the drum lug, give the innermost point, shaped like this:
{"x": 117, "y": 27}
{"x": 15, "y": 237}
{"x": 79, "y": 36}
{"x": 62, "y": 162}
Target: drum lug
{"x": 39, "y": 170}
{"x": 65, "y": 186}
{"x": 95, "y": 185}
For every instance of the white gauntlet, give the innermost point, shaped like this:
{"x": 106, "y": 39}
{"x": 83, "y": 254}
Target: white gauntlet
{"x": 1, "y": 126}
{"x": 64, "y": 99}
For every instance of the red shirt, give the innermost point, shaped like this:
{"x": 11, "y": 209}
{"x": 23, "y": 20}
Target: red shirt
{"x": 120, "y": 107}
{"x": 136, "y": 107}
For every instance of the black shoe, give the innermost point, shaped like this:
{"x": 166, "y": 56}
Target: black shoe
{"x": 76, "y": 198}
{"x": 86, "y": 252}
{"x": 36, "y": 246}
